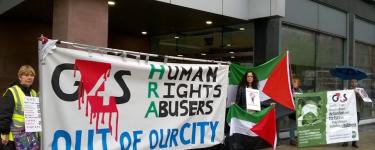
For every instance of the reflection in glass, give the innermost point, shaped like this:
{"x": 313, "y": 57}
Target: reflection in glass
{"x": 230, "y": 43}
{"x": 329, "y": 54}
{"x": 364, "y": 58}
{"x": 301, "y": 46}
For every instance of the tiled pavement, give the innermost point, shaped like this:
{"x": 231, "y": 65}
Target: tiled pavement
{"x": 366, "y": 142}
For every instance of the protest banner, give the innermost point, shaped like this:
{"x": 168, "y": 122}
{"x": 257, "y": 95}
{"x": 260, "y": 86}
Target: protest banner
{"x": 99, "y": 101}
{"x": 326, "y": 118}
{"x": 341, "y": 118}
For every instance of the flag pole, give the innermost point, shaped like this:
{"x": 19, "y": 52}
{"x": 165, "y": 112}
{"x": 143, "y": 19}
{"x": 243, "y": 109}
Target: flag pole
{"x": 273, "y": 105}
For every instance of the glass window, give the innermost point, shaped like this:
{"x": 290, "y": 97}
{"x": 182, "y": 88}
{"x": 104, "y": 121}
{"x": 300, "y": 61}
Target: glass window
{"x": 364, "y": 58}
{"x": 329, "y": 54}
{"x": 301, "y": 46}
{"x": 233, "y": 43}
{"x": 312, "y": 55}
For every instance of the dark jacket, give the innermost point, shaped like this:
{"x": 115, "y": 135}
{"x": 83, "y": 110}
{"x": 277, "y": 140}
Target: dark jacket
{"x": 7, "y": 109}
{"x": 297, "y": 90}
{"x": 294, "y": 90}
{"x": 359, "y": 102}
{"x": 241, "y": 97}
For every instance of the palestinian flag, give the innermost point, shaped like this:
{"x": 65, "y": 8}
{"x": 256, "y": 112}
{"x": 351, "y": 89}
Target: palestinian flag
{"x": 262, "y": 123}
{"x": 274, "y": 81}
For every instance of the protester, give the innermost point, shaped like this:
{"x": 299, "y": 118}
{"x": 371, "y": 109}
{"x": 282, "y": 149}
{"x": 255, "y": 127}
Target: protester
{"x": 12, "y": 121}
{"x": 359, "y": 101}
{"x": 296, "y": 83}
{"x": 249, "y": 80}
{"x": 240, "y": 141}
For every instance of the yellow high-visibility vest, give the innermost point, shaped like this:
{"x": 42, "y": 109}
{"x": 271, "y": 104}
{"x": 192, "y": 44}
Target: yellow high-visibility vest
{"x": 18, "y": 119}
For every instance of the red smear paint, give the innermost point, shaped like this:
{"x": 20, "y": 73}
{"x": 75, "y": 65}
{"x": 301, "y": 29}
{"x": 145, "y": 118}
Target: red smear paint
{"x": 91, "y": 73}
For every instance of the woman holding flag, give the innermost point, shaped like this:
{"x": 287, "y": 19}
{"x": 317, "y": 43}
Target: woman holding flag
{"x": 241, "y": 141}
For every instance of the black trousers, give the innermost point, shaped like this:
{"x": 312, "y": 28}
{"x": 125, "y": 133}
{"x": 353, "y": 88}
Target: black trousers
{"x": 9, "y": 146}
{"x": 358, "y": 118}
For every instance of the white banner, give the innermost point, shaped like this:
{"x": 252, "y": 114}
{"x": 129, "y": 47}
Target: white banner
{"x": 341, "y": 122}
{"x": 99, "y": 101}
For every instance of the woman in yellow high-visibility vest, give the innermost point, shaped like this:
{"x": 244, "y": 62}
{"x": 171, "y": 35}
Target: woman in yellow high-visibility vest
{"x": 12, "y": 121}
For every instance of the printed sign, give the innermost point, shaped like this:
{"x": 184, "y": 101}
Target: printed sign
{"x": 108, "y": 102}
{"x": 252, "y": 99}
{"x": 311, "y": 114}
{"x": 326, "y": 117}
{"x": 33, "y": 118}
{"x": 363, "y": 95}
{"x": 341, "y": 118}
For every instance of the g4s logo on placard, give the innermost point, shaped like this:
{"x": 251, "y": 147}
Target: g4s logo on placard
{"x": 337, "y": 97}
{"x": 92, "y": 90}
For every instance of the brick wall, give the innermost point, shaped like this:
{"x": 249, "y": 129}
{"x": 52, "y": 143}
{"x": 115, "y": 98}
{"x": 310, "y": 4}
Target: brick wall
{"x": 18, "y": 46}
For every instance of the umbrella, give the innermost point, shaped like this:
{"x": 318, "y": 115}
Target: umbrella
{"x": 348, "y": 73}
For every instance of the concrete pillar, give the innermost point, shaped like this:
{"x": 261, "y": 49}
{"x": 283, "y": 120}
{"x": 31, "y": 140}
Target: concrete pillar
{"x": 267, "y": 39}
{"x": 349, "y": 59}
{"x": 81, "y": 21}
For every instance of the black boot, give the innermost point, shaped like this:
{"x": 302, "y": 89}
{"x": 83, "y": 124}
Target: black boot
{"x": 354, "y": 144}
{"x": 345, "y": 144}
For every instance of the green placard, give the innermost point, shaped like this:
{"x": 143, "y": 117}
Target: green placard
{"x": 311, "y": 118}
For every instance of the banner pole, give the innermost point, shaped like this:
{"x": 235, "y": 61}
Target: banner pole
{"x": 120, "y": 51}
{"x": 40, "y": 53}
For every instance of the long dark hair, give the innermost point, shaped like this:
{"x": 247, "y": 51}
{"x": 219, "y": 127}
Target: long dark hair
{"x": 241, "y": 96}
{"x": 244, "y": 83}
